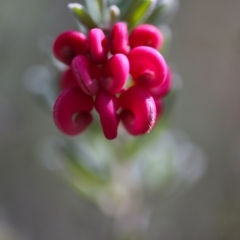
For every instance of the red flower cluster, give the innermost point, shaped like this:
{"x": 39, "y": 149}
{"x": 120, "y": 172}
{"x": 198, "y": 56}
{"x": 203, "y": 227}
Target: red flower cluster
{"x": 98, "y": 74}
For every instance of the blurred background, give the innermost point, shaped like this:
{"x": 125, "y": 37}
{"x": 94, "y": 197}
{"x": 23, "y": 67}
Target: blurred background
{"x": 35, "y": 204}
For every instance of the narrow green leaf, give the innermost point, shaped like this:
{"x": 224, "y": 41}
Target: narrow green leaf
{"x": 103, "y": 6}
{"x": 165, "y": 10}
{"x": 116, "y": 2}
{"x": 157, "y": 14}
{"x": 88, "y": 182}
{"x": 93, "y": 9}
{"x": 124, "y": 6}
{"x": 89, "y": 177}
{"x": 82, "y": 15}
{"x": 138, "y": 11}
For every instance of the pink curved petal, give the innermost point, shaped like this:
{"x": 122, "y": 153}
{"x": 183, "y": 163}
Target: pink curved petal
{"x": 71, "y": 111}
{"x": 115, "y": 73}
{"x": 98, "y": 45}
{"x": 163, "y": 89}
{"x": 107, "y": 105}
{"x": 146, "y": 35}
{"x": 87, "y": 74}
{"x": 147, "y": 66}
{"x": 67, "y": 80}
{"x": 138, "y": 110}
{"x": 68, "y": 45}
{"x": 119, "y": 38}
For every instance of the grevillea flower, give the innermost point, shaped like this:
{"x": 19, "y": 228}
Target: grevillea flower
{"x": 67, "y": 80}
{"x": 68, "y": 45}
{"x": 98, "y": 79}
{"x": 71, "y": 112}
{"x": 115, "y": 73}
{"x": 107, "y": 105}
{"x": 163, "y": 89}
{"x": 87, "y": 74}
{"x": 119, "y": 38}
{"x": 147, "y": 66}
{"x": 146, "y": 35}
{"x": 138, "y": 110}
{"x": 98, "y": 45}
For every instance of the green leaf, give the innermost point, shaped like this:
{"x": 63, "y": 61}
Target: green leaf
{"x": 138, "y": 10}
{"x": 82, "y": 15}
{"x": 89, "y": 177}
{"x": 84, "y": 179}
{"x": 124, "y": 6}
{"x": 93, "y": 10}
{"x": 103, "y": 6}
{"x": 163, "y": 12}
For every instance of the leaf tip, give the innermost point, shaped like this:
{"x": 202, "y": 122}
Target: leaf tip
{"x": 73, "y": 6}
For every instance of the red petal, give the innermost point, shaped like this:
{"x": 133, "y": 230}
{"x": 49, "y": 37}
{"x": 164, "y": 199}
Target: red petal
{"x": 67, "y": 80}
{"x": 147, "y": 66}
{"x": 163, "y": 89}
{"x": 138, "y": 110}
{"x": 98, "y": 45}
{"x": 119, "y": 38}
{"x": 68, "y": 45}
{"x": 115, "y": 73}
{"x": 107, "y": 105}
{"x": 146, "y": 35}
{"x": 71, "y": 111}
{"x": 87, "y": 74}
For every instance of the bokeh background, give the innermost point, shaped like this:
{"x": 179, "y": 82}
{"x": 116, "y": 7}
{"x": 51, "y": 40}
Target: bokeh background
{"x": 35, "y": 204}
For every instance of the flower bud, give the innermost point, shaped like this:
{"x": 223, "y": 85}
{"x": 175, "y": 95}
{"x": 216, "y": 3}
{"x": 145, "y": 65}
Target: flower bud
{"x": 107, "y": 105}
{"x": 68, "y": 45}
{"x": 67, "y": 80}
{"x": 71, "y": 111}
{"x": 146, "y": 35}
{"x": 115, "y": 73}
{"x": 138, "y": 110}
{"x": 98, "y": 45}
{"x": 87, "y": 74}
{"x": 163, "y": 89}
{"x": 147, "y": 66}
{"x": 119, "y": 38}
